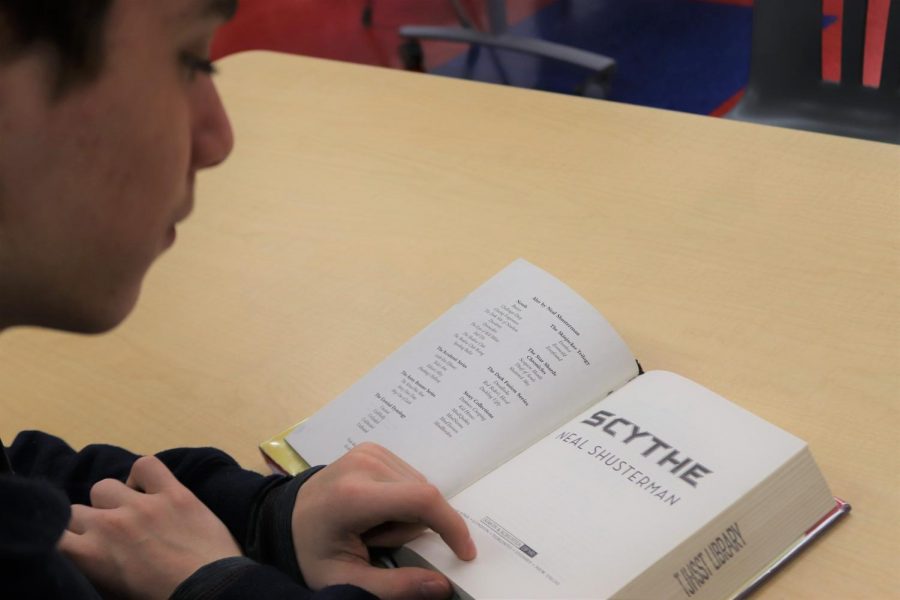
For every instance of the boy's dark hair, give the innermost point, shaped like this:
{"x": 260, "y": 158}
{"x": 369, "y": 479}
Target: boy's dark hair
{"x": 73, "y": 29}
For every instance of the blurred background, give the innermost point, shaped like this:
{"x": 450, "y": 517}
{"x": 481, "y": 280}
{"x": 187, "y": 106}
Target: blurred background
{"x": 686, "y": 55}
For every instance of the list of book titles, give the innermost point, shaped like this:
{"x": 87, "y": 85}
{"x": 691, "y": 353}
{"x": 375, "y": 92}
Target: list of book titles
{"x": 477, "y": 372}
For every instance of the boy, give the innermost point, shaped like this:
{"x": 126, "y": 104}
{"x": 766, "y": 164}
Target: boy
{"x": 107, "y": 111}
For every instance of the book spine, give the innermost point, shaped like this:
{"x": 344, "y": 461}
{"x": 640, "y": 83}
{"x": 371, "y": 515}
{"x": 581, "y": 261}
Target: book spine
{"x": 840, "y": 510}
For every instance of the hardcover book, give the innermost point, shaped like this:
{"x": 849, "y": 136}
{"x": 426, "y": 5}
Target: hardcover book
{"x": 579, "y": 475}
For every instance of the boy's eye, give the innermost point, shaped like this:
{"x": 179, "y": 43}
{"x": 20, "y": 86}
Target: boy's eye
{"x": 197, "y": 64}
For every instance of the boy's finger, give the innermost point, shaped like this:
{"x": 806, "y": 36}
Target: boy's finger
{"x": 150, "y": 475}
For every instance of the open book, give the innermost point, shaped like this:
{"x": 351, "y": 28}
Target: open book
{"x": 579, "y": 475}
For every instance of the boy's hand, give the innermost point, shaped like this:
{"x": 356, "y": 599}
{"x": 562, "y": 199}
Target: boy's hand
{"x": 142, "y": 538}
{"x": 370, "y": 497}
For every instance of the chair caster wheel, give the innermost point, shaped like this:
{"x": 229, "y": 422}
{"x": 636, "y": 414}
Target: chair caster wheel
{"x": 595, "y": 85}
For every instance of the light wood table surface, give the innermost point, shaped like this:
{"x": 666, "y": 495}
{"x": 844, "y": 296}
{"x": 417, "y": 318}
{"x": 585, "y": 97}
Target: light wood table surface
{"x": 360, "y": 203}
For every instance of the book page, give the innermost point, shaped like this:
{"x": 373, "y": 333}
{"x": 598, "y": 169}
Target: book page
{"x": 596, "y": 503}
{"x": 500, "y": 369}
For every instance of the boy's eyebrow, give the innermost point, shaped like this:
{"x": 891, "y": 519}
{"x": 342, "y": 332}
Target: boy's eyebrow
{"x": 220, "y": 10}
{"x": 223, "y": 9}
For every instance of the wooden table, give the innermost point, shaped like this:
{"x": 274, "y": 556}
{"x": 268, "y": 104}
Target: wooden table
{"x": 360, "y": 203}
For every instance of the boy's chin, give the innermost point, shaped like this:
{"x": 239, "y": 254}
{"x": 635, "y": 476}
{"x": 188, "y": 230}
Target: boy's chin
{"x": 99, "y": 317}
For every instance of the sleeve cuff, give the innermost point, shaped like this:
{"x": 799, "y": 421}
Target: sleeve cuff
{"x": 272, "y": 541}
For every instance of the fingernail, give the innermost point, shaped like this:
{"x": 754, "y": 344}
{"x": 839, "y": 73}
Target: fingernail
{"x": 434, "y": 589}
